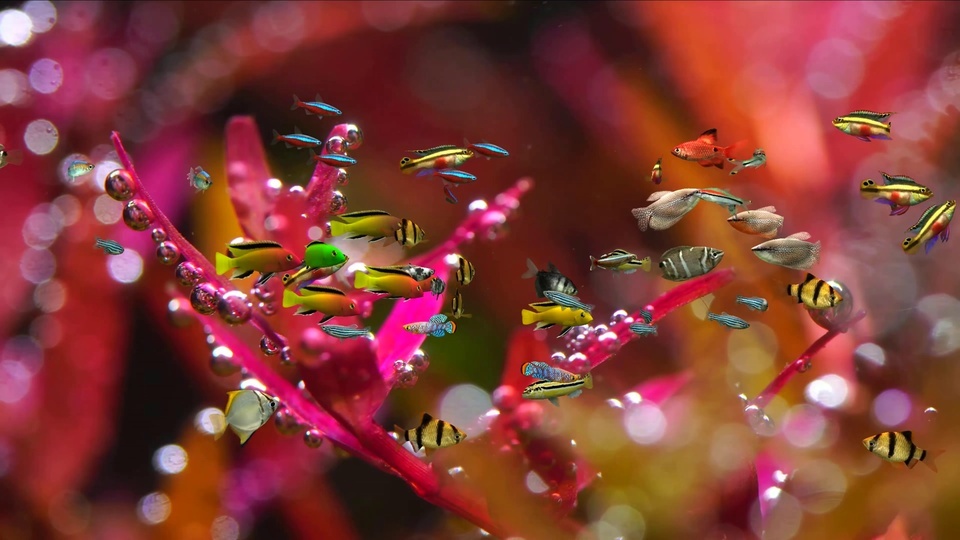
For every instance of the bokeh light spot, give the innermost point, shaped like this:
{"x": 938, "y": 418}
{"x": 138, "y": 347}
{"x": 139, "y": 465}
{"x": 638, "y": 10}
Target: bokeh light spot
{"x": 170, "y": 459}
{"x": 645, "y": 423}
{"x": 37, "y": 265}
{"x": 43, "y": 15}
{"x": 50, "y": 296}
{"x": 872, "y": 353}
{"x": 829, "y": 391}
{"x": 803, "y": 426}
{"x": 462, "y": 405}
{"x": 110, "y": 73}
{"x": 534, "y": 483}
{"x": 126, "y": 267}
{"x": 41, "y": 137}
{"x": 203, "y": 421}
{"x": 46, "y": 76}
{"x": 107, "y": 210}
{"x": 154, "y": 508}
{"x": 224, "y": 528}
{"x": 16, "y": 28}
{"x": 891, "y": 407}
{"x": 13, "y": 87}
{"x": 835, "y": 68}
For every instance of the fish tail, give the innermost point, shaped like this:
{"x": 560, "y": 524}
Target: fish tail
{"x": 289, "y": 298}
{"x": 929, "y": 457}
{"x": 729, "y": 150}
{"x": 219, "y": 424}
{"x": 593, "y": 262}
{"x": 531, "y": 270}
{"x": 224, "y": 263}
{"x": 276, "y": 137}
{"x": 296, "y": 103}
{"x": 451, "y": 327}
{"x": 642, "y": 215}
{"x": 361, "y": 280}
{"x": 588, "y": 381}
{"x": 338, "y": 227}
{"x": 528, "y": 317}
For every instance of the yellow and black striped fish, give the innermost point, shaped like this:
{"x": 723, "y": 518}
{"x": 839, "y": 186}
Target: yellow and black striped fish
{"x": 408, "y": 234}
{"x": 431, "y": 433}
{"x": 814, "y": 293}
{"x": 898, "y": 447}
{"x": 456, "y": 307}
{"x": 465, "y": 271}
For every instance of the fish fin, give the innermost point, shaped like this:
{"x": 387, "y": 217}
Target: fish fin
{"x": 528, "y": 317}
{"x": 326, "y": 318}
{"x": 240, "y": 274}
{"x": 304, "y": 311}
{"x": 884, "y": 136}
{"x": 450, "y": 327}
{"x": 361, "y": 280}
{"x": 864, "y": 139}
{"x": 264, "y": 278}
{"x": 276, "y": 137}
{"x": 289, "y": 298}
{"x": 593, "y": 262}
{"x": 718, "y": 165}
{"x": 438, "y": 318}
{"x": 219, "y": 424}
{"x": 555, "y": 401}
{"x": 929, "y": 245}
{"x": 709, "y": 136}
{"x": 896, "y": 210}
{"x": 576, "y": 393}
{"x": 320, "y": 289}
{"x": 426, "y": 419}
{"x": 588, "y": 381}
{"x": 771, "y": 209}
{"x": 438, "y": 333}
{"x": 223, "y": 262}
{"x": 931, "y": 455}
{"x": 802, "y": 235}
{"x": 657, "y": 195}
{"x": 564, "y": 331}
{"x": 244, "y": 435}
{"x": 543, "y": 326}
{"x": 425, "y": 172}
{"x": 252, "y": 245}
{"x": 296, "y": 103}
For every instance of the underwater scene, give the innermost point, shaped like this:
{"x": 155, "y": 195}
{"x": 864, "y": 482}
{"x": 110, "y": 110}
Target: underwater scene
{"x": 466, "y": 270}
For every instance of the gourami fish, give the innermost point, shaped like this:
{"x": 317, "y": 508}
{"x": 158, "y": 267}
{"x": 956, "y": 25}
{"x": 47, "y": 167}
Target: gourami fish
{"x": 620, "y": 260}
{"x": 437, "y": 326}
{"x": 567, "y": 301}
{"x": 546, "y": 372}
{"x": 346, "y": 332}
{"x": 753, "y": 302}
{"x": 791, "y": 252}
{"x": 764, "y": 222}
{"x": 447, "y": 156}
{"x": 643, "y": 329}
{"x": 487, "y": 150}
{"x": 864, "y": 125}
{"x": 758, "y": 160}
{"x": 456, "y": 307}
{"x": 317, "y": 107}
{"x": 296, "y": 139}
{"x": 899, "y": 192}
{"x": 722, "y": 197}
{"x": 933, "y": 224}
{"x": 246, "y": 411}
{"x": 656, "y": 176}
{"x": 666, "y": 208}
{"x": 548, "y": 280}
{"x": 551, "y": 390}
{"x": 898, "y": 447}
{"x": 330, "y": 301}
{"x": 704, "y": 150}
{"x": 548, "y": 314}
{"x": 395, "y": 285}
{"x": 10, "y": 157}
{"x": 685, "y": 262}
{"x": 320, "y": 255}
{"x": 261, "y": 256}
{"x": 465, "y": 271}
{"x": 432, "y": 433}
{"x": 79, "y": 168}
{"x": 333, "y": 160}
{"x": 729, "y": 321}
{"x": 199, "y": 179}
{"x": 814, "y": 293}
{"x": 110, "y": 247}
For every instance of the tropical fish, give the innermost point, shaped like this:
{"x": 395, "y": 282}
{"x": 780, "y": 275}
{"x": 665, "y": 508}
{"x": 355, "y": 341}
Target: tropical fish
{"x": 465, "y": 271}
{"x": 330, "y": 301}
{"x": 567, "y": 301}
{"x": 898, "y": 447}
{"x": 758, "y": 160}
{"x": 814, "y": 293}
{"x": 345, "y": 332}
{"x": 110, "y": 247}
{"x": 547, "y": 314}
{"x": 432, "y": 433}
{"x": 645, "y": 315}
{"x": 728, "y": 320}
{"x": 545, "y": 372}
{"x": 261, "y": 256}
{"x": 656, "y": 176}
{"x": 685, "y": 262}
{"x": 246, "y": 411}
{"x": 376, "y": 224}
{"x": 864, "y": 125}
{"x": 396, "y": 285}
{"x": 620, "y": 260}
{"x": 753, "y": 302}
{"x": 764, "y": 222}
{"x": 933, "y": 224}
{"x": 548, "y": 280}
{"x": 456, "y": 307}
{"x": 79, "y": 168}
{"x": 455, "y": 176}
{"x": 408, "y": 234}
{"x": 306, "y": 274}
{"x": 437, "y": 286}
{"x": 199, "y": 179}
{"x": 899, "y": 192}
{"x": 437, "y": 326}
{"x": 320, "y": 255}
{"x": 317, "y": 106}
{"x": 488, "y": 150}
{"x": 333, "y": 160}
{"x": 643, "y": 329}
{"x": 551, "y": 390}
{"x": 704, "y": 150}
{"x": 666, "y": 208}
{"x": 723, "y": 198}
{"x": 10, "y": 157}
{"x": 419, "y": 273}
{"x": 446, "y": 156}
{"x": 791, "y": 252}
{"x": 296, "y": 139}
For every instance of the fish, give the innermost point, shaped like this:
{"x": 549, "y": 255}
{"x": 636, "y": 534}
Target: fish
{"x": 723, "y": 198}
{"x": 645, "y": 315}
{"x": 548, "y": 280}
{"x": 656, "y": 175}
{"x": 545, "y": 372}
{"x": 758, "y": 160}
{"x": 398, "y": 285}
{"x": 548, "y": 314}
{"x": 306, "y": 274}
{"x": 450, "y": 197}
{"x": 934, "y": 224}
{"x": 330, "y": 301}
{"x": 437, "y": 326}
{"x": 455, "y": 176}
{"x": 551, "y": 390}
{"x": 246, "y": 411}
{"x": 456, "y": 307}
{"x": 899, "y": 192}
{"x": 110, "y": 247}
{"x": 317, "y": 107}
{"x": 447, "y": 156}
{"x": 685, "y": 262}
{"x": 296, "y": 139}
{"x": 814, "y": 293}
{"x": 666, "y": 209}
{"x": 864, "y": 125}
{"x": 487, "y": 150}
{"x": 791, "y": 252}
{"x": 264, "y": 256}
{"x": 375, "y": 224}
{"x": 437, "y": 286}
{"x": 620, "y": 260}
{"x": 704, "y": 150}
{"x": 465, "y": 271}
{"x": 729, "y": 321}
{"x": 79, "y": 168}
{"x": 643, "y": 329}
{"x": 898, "y": 447}
{"x": 753, "y": 302}
{"x": 333, "y": 160}
{"x": 419, "y": 273}
{"x": 567, "y": 301}
{"x": 320, "y": 255}
{"x": 345, "y": 332}
{"x": 763, "y": 222}
{"x": 408, "y": 234}
{"x": 199, "y": 179}
{"x": 10, "y": 157}
{"x": 432, "y": 433}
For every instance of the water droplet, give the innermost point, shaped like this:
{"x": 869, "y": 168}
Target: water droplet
{"x": 558, "y": 357}
{"x": 805, "y": 366}
{"x": 338, "y": 203}
{"x": 610, "y": 341}
{"x": 419, "y": 360}
{"x": 354, "y": 137}
{"x": 312, "y": 438}
{"x": 286, "y": 422}
{"x": 178, "y": 314}
{"x": 930, "y": 413}
{"x": 234, "y": 308}
{"x": 759, "y": 421}
{"x": 478, "y": 205}
{"x": 267, "y": 308}
{"x": 263, "y": 292}
{"x": 615, "y": 403}
{"x": 618, "y": 316}
{"x": 556, "y": 498}
{"x": 158, "y": 235}
{"x": 120, "y": 185}
{"x": 167, "y": 253}
{"x": 744, "y": 400}
{"x": 832, "y": 317}
{"x": 600, "y": 330}
{"x": 342, "y": 177}
{"x": 137, "y": 215}
{"x": 407, "y": 379}
{"x": 203, "y": 298}
{"x": 286, "y": 356}
{"x": 336, "y": 144}
{"x": 268, "y": 347}
{"x": 578, "y": 363}
{"x": 221, "y": 361}
{"x": 188, "y": 274}
{"x": 456, "y": 472}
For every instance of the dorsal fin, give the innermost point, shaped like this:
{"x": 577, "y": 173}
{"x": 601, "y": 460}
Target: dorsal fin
{"x": 364, "y": 213}
{"x": 388, "y": 270}
{"x": 426, "y": 419}
{"x": 316, "y": 243}
{"x": 434, "y": 149}
{"x": 544, "y": 304}
{"x": 898, "y": 179}
{"x": 802, "y": 235}
{"x": 253, "y": 244}
{"x": 810, "y": 277}
{"x": 318, "y": 289}
{"x": 908, "y": 435}
{"x": 230, "y": 397}
{"x": 709, "y": 136}
{"x": 771, "y": 209}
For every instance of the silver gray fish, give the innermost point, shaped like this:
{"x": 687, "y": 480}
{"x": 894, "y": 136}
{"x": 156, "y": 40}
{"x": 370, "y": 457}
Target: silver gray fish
{"x": 722, "y": 197}
{"x": 685, "y": 262}
{"x": 567, "y": 301}
{"x": 548, "y": 280}
{"x": 418, "y": 273}
{"x": 790, "y": 252}
{"x": 753, "y": 302}
{"x": 437, "y": 286}
{"x": 763, "y": 221}
{"x": 345, "y": 332}
{"x": 759, "y": 159}
{"x": 728, "y": 320}
{"x": 666, "y": 209}
{"x": 643, "y": 329}
{"x": 111, "y": 247}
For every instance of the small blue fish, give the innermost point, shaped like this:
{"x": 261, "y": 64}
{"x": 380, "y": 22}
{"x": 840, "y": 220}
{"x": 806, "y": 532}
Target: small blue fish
{"x": 488, "y": 150}
{"x": 647, "y": 316}
{"x": 546, "y": 372}
{"x": 296, "y": 139}
{"x": 345, "y": 332}
{"x": 643, "y": 329}
{"x": 333, "y": 160}
{"x": 567, "y": 301}
{"x": 753, "y": 302}
{"x": 317, "y": 107}
{"x": 455, "y": 176}
{"x": 729, "y": 320}
{"x": 79, "y": 168}
{"x": 199, "y": 179}
{"x": 111, "y": 247}
{"x": 437, "y": 326}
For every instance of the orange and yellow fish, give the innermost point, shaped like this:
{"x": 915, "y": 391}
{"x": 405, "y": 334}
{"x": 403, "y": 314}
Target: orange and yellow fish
{"x": 264, "y": 256}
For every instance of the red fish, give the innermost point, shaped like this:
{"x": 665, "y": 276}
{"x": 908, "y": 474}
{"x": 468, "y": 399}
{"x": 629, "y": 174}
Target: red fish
{"x": 705, "y": 150}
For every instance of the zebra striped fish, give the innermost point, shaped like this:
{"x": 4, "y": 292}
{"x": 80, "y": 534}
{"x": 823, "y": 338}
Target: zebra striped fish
{"x": 546, "y": 372}
{"x": 345, "y": 332}
{"x": 647, "y": 316}
{"x": 643, "y": 329}
{"x": 728, "y": 320}
{"x": 111, "y": 247}
{"x": 567, "y": 301}
{"x": 753, "y": 302}
{"x": 685, "y": 262}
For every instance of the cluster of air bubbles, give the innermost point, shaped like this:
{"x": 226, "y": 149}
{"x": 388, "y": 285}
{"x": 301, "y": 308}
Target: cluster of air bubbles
{"x": 120, "y": 185}
{"x": 312, "y": 438}
{"x": 338, "y": 203}
{"x": 234, "y": 308}
{"x": 188, "y": 274}
{"x": 406, "y": 373}
{"x": 266, "y": 297}
{"x": 831, "y": 318}
{"x": 618, "y": 317}
{"x": 759, "y": 421}
{"x": 419, "y": 361}
{"x": 287, "y": 422}
{"x": 269, "y": 347}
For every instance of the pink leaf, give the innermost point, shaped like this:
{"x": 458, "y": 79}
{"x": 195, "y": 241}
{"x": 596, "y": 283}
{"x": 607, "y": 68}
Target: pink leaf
{"x": 247, "y": 175}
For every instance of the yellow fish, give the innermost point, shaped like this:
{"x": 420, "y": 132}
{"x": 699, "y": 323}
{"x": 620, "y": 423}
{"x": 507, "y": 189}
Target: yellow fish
{"x": 551, "y": 390}
{"x": 814, "y": 293}
{"x": 246, "y": 411}
{"x": 898, "y": 447}
{"x": 864, "y": 125}
{"x": 266, "y": 257}
{"x": 376, "y": 224}
{"x": 408, "y": 234}
{"x": 547, "y": 314}
{"x": 432, "y": 433}
{"x": 399, "y": 285}
{"x": 933, "y": 224}
{"x": 447, "y": 156}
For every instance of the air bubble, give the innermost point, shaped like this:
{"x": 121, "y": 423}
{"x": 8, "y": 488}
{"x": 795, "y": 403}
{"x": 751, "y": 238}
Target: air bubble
{"x": 407, "y": 379}
{"x": 419, "y": 361}
{"x": 188, "y": 274}
{"x": 312, "y": 438}
{"x": 221, "y": 361}
{"x": 120, "y": 185}
{"x": 342, "y": 177}
{"x": 268, "y": 347}
{"x": 610, "y": 342}
{"x": 203, "y": 298}
{"x": 267, "y": 308}
{"x": 759, "y": 421}
{"x": 137, "y": 215}
{"x": 805, "y": 366}
{"x": 286, "y": 422}
{"x": 600, "y": 330}
{"x": 167, "y": 253}
{"x": 177, "y": 313}
{"x": 578, "y": 363}
{"x": 286, "y": 356}
{"x": 336, "y": 144}
{"x": 263, "y": 292}
{"x": 234, "y": 308}
{"x": 930, "y": 413}
{"x": 830, "y": 318}
{"x": 558, "y": 357}
{"x": 354, "y": 137}
{"x": 158, "y": 235}
{"x": 618, "y": 316}
{"x": 338, "y": 203}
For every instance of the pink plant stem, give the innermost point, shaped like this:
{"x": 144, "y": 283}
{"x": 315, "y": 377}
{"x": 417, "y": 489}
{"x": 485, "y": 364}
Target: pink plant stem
{"x": 802, "y": 364}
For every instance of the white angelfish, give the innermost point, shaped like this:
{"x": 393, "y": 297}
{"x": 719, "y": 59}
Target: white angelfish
{"x": 246, "y": 411}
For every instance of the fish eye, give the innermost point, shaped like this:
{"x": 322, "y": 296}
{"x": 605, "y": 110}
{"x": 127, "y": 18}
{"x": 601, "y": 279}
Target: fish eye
{"x": 336, "y": 253}
{"x": 289, "y": 257}
{"x": 353, "y": 306}
{"x": 837, "y": 120}
{"x": 868, "y": 182}
{"x": 906, "y": 241}
{"x": 662, "y": 264}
